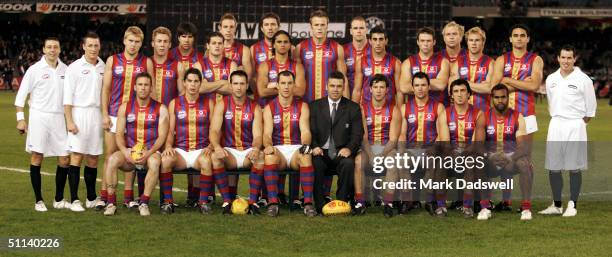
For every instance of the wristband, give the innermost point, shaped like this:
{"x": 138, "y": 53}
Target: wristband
{"x": 20, "y": 116}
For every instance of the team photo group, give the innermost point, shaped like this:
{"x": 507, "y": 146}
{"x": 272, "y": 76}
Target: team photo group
{"x": 317, "y": 108}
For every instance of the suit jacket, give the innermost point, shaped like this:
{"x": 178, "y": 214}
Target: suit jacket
{"x": 346, "y": 128}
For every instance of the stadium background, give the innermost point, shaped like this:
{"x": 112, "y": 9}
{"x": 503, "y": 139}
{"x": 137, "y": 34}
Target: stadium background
{"x": 553, "y": 23}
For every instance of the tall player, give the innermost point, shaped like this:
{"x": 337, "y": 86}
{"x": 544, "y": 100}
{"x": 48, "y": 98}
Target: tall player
{"x": 165, "y": 73}
{"x": 382, "y": 123}
{"x": 452, "y": 33}
{"x": 234, "y": 50}
{"x": 188, "y": 146}
{"x": 286, "y": 137}
{"x": 185, "y": 52}
{"x": 521, "y": 71}
{"x": 117, "y": 88}
{"x": 236, "y": 139}
{"x": 508, "y": 153}
{"x": 82, "y": 90}
{"x": 263, "y": 51}
{"x": 320, "y": 56}
{"x": 377, "y": 62}
{"x": 140, "y": 121}
{"x": 46, "y": 136}
{"x": 356, "y": 49}
{"x": 434, "y": 65}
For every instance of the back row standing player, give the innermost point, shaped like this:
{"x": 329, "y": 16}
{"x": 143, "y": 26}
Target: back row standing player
{"x": 356, "y": 49}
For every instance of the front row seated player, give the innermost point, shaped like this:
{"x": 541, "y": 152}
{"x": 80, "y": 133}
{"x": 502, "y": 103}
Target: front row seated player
{"x": 139, "y": 121}
{"x": 187, "y": 144}
{"x": 506, "y": 150}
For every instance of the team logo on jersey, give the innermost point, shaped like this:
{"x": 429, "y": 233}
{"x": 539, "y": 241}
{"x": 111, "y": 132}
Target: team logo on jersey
{"x": 369, "y": 121}
{"x": 490, "y": 130}
{"x": 168, "y": 74}
{"x": 452, "y": 126}
{"x": 367, "y": 71}
{"x": 386, "y": 119}
{"x": 469, "y": 125}
{"x": 229, "y": 115}
{"x": 482, "y": 70}
{"x": 295, "y": 117}
{"x": 277, "y": 119}
{"x": 131, "y": 117}
{"x": 181, "y": 114}
{"x": 327, "y": 53}
{"x": 411, "y": 118}
{"x": 432, "y": 69}
{"x": 349, "y": 61}
{"x": 202, "y": 113}
{"x": 308, "y": 55}
{"x": 224, "y": 73}
{"x": 463, "y": 71}
{"x": 386, "y": 70}
{"x": 45, "y": 76}
{"x": 150, "y": 117}
{"x": 118, "y": 70}
{"x": 507, "y": 67}
{"x": 208, "y": 74}
{"x": 524, "y": 67}
{"x": 272, "y": 75}
{"x": 246, "y": 117}
{"x": 139, "y": 69}
{"x": 508, "y": 130}
{"x": 261, "y": 57}
{"x": 415, "y": 70}
{"x": 85, "y": 72}
{"x": 429, "y": 117}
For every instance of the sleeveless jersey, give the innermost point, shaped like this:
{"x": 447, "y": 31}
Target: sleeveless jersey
{"x": 461, "y": 126}
{"x": 286, "y": 122}
{"x": 351, "y": 57}
{"x": 520, "y": 68}
{"x": 216, "y": 71}
{"x": 475, "y": 72}
{"x": 431, "y": 67}
{"x": 187, "y": 61}
{"x": 141, "y": 123}
{"x": 192, "y": 123}
{"x": 262, "y": 52}
{"x": 123, "y": 79}
{"x": 501, "y": 131}
{"x": 371, "y": 67}
{"x": 165, "y": 81}
{"x": 450, "y": 59}
{"x": 421, "y": 120}
{"x": 319, "y": 61}
{"x": 378, "y": 122}
{"x": 274, "y": 68}
{"x": 234, "y": 52}
{"x": 238, "y": 123}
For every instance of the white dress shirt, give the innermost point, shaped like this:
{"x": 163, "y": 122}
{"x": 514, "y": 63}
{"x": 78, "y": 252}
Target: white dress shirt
{"x": 331, "y": 109}
{"x": 45, "y": 85}
{"x": 572, "y": 97}
{"x": 83, "y": 83}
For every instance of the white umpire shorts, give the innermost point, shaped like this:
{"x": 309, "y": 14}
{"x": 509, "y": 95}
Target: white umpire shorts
{"x": 287, "y": 151}
{"x": 566, "y": 145}
{"x": 114, "y": 124}
{"x": 190, "y": 157}
{"x": 47, "y": 134}
{"x": 239, "y": 155}
{"x": 88, "y": 140}
{"x": 531, "y": 124}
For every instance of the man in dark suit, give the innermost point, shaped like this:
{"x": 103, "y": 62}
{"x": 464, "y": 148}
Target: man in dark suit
{"x": 337, "y": 132}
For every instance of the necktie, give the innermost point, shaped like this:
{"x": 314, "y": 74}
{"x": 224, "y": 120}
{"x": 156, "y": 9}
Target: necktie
{"x": 332, "y": 147}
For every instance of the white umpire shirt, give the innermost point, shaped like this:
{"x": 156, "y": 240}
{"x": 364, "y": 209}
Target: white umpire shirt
{"x": 83, "y": 83}
{"x": 572, "y": 97}
{"x": 45, "y": 86}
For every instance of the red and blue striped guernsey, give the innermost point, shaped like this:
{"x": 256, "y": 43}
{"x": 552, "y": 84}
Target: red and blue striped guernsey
{"x": 476, "y": 72}
{"x": 123, "y": 79}
{"x": 520, "y": 69}
{"x": 274, "y": 68}
{"x": 165, "y": 81}
{"x": 186, "y": 61}
{"x": 371, "y": 67}
{"x": 286, "y": 122}
{"x": 234, "y": 52}
{"x": 192, "y": 123}
{"x": 351, "y": 57}
{"x": 431, "y": 67}
{"x": 378, "y": 122}
{"x": 444, "y": 53}
{"x": 461, "y": 126}
{"x": 422, "y": 127}
{"x": 141, "y": 123}
{"x": 216, "y": 71}
{"x": 262, "y": 52}
{"x": 319, "y": 61}
{"x": 238, "y": 123}
{"x": 501, "y": 131}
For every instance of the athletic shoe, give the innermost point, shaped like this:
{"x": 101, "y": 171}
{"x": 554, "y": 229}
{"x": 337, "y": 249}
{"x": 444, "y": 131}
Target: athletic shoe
{"x": 192, "y": 203}
{"x": 254, "y": 209}
{"x": 76, "y": 206}
{"x": 456, "y": 205}
{"x": 282, "y": 199}
{"x": 63, "y": 204}
{"x": 297, "y": 204}
{"x": 503, "y": 206}
{"x": 468, "y": 213}
{"x": 100, "y": 205}
{"x": 526, "y": 215}
{"x": 327, "y": 199}
{"x": 552, "y": 210}
{"x": 40, "y": 206}
{"x": 132, "y": 205}
{"x": 227, "y": 208}
{"x": 263, "y": 202}
{"x": 484, "y": 214}
{"x": 273, "y": 210}
{"x": 359, "y": 209}
{"x": 167, "y": 208}
{"x": 110, "y": 209}
{"x": 431, "y": 207}
{"x": 144, "y": 209}
{"x": 570, "y": 211}
{"x": 309, "y": 210}
{"x": 441, "y": 212}
{"x": 205, "y": 209}
{"x": 388, "y": 211}
{"x": 404, "y": 207}
{"x": 92, "y": 204}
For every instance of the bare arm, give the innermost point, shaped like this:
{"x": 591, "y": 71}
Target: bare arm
{"x": 120, "y": 134}
{"x": 442, "y": 126}
{"x": 106, "y": 86}
{"x": 396, "y": 124}
{"x": 267, "y": 127}
{"x": 216, "y": 124}
{"x": 306, "y": 137}
{"x": 485, "y": 86}
{"x": 341, "y": 67}
{"x": 399, "y": 96}
{"x": 404, "y": 128}
{"x": 358, "y": 84}
{"x": 247, "y": 64}
{"x": 162, "y": 130}
{"x": 257, "y": 128}
{"x": 300, "y": 81}
{"x": 531, "y": 83}
{"x": 171, "y": 125}
{"x": 441, "y": 81}
{"x": 263, "y": 82}
{"x": 405, "y": 82}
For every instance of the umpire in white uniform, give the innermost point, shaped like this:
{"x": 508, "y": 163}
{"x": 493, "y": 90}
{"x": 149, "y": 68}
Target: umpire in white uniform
{"x": 82, "y": 92}
{"x": 572, "y": 103}
{"x": 46, "y": 135}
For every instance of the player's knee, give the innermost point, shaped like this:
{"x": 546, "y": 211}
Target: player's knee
{"x": 36, "y": 159}
{"x": 271, "y": 159}
{"x": 63, "y": 161}
{"x": 305, "y": 160}
{"x": 91, "y": 160}
{"x": 167, "y": 162}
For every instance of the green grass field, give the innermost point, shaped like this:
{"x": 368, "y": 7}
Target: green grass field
{"x": 187, "y": 233}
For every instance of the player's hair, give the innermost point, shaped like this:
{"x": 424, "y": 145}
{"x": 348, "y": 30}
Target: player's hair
{"x": 500, "y": 87}
{"x": 50, "y": 39}
{"x": 89, "y": 34}
{"x": 134, "y": 31}
{"x": 460, "y": 82}
{"x": 144, "y": 75}
{"x": 228, "y": 16}
{"x": 420, "y": 75}
{"x": 186, "y": 28}
{"x": 569, "y": 48}
{"x": 519, "y": 26}
{"x": 318, "y": 13}
{"x": 476, "y": 30}
{"x": 281, "y": 32}
{"x": 286, "y": 73}
{"x": 267, "y": 16}
{"x": 192, "y": 71}
{"x": 162, "y": 30}
{"x": 357, "y": 18}
{"x": 214, "y": 34}
{"x": 336, "y": 75}
{"x": 379, "y": 78}
{"x": 239, "y": 73}
{"x": 426, "y": 30}
{"x": 451, "y": 24}
{"x": 378, "y": 30}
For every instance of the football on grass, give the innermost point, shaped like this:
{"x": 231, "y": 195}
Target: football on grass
{"x": 336, "y": 207}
